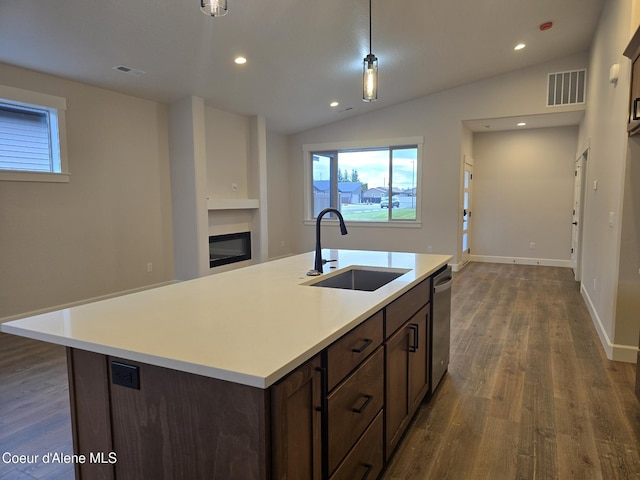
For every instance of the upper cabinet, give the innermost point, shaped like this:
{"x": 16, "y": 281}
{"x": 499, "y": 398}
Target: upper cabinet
{"x": 633, "y": 52}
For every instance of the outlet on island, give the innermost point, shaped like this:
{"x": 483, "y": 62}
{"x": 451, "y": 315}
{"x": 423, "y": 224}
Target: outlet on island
{"x": 125, "y": 375}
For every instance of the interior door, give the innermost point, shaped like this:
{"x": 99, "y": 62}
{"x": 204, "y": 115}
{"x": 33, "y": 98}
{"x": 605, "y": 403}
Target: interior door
{"x": 467, "y": 194}
{"x": 576, "y": 226}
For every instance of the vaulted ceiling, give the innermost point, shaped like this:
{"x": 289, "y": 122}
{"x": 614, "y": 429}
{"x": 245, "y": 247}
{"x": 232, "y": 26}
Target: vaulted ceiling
{"x": 302, "y": 54}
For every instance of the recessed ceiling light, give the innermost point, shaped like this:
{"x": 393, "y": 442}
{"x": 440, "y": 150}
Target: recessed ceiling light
{"x": 519, "y": 46}
{"x": 521, "y": 124}
{"x": 240, "y": 60}
{"x": 334, "y": 104}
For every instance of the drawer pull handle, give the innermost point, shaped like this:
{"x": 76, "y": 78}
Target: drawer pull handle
{"x": 369, "y": 467}
{"x": 367, "y": 342}
{"x": 416, "y": 345}
{"x": 367, "y": 401}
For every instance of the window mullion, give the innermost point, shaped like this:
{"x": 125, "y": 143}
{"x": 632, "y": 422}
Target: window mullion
{"x": 333, "y": 201}
{"x": 390, "y": 193}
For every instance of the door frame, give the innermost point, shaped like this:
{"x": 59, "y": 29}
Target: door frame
{"x": 465, "y": 253}
{"x": 578, "y": 214}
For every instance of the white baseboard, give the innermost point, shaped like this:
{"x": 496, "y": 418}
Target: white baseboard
{"x": 618, "y": 353}
{"x": 547, "y": 262}
{"x": 83, "y": 302}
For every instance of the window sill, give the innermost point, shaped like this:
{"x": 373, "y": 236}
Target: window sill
{"x": 15, "y": 176}
{"x": 350, "y": 224}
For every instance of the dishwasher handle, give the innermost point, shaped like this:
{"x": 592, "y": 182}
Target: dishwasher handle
{"x": 441, "y": 287}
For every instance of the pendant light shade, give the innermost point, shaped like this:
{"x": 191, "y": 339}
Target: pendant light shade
{"x": 370, "y": 71}
{"x": 214, "y": 8}
{"x": 370, "y": 78}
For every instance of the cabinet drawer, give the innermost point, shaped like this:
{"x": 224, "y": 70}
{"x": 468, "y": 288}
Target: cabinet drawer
{"x": 353, "y": 405}
{"x": 365, "y": 459}
{"x": 348, "y": 352}
{"x": 401, "y": 309}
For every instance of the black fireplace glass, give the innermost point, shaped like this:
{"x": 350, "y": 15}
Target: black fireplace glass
{"x": 230, "y": 248}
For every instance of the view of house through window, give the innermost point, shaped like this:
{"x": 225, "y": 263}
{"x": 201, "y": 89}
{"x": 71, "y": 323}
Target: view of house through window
{"x": 32, "y": 134}
{"x": 28, "y": 138}
{"x": 377, "y": 184}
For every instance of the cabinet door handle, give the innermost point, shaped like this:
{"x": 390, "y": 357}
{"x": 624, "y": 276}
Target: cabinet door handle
{"x": 369, "y": 467}
{"x": 635, "y": 109}
{"x": 367, "y": 401}
{"x": 363, "y": 347}
{"x": 324, "y": 388}
{"x": 416, "y": 345}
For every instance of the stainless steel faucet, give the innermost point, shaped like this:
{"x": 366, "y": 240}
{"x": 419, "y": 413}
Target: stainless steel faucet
{"x": 319, "y": 262}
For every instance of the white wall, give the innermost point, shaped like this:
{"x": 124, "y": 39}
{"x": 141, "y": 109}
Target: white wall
{"x": 62, "y": 243}
{"x": 438, "y": 118}
{"x": 279, "y": 209}
{"x": 603, "y": 131}
{"x": 523, "y": 193}
{"x": 227, "y": 151}
{"x": 227, "y": 144}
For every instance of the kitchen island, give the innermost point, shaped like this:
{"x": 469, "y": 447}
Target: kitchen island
{"x": 244, "y": 374}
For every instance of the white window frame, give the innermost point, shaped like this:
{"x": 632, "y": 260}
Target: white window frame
{"x": 307, "y": 150}
{"x": 56, "y": 106}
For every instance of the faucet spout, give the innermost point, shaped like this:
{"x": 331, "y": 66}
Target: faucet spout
{"x": 317, "y": 267}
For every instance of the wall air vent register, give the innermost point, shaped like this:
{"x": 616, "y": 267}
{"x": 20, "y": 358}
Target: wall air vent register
{"x": 566, "y": 88}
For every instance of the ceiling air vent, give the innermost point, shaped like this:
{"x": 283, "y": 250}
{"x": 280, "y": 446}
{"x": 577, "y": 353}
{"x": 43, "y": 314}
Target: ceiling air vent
{"x": 128, "y": 70}
{"x": 566, "y": 88}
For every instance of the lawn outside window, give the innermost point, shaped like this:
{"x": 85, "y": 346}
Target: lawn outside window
{"x": 32, "y": 136}
{"x": 371, "y": 183}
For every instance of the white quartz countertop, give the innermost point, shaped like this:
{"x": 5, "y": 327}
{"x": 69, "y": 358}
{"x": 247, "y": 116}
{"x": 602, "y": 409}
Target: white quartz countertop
{"x": 250, "y": 326}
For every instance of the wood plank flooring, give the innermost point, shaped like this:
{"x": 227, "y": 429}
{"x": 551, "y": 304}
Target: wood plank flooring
{"x": 35, "y": 418}
{"x": 529, "y": 393}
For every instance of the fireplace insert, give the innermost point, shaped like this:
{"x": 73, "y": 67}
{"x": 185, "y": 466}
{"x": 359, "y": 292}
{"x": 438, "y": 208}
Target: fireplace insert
{"x": 229, "y": 248}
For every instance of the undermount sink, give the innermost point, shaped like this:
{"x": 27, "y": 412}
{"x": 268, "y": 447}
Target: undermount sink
{"x": 359, "y": 278}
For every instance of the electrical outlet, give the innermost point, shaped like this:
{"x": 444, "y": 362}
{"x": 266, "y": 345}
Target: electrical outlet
{"x": 125, "y": 375}
{"x": 149, "y": 267}
{"x": 532, "y": 245}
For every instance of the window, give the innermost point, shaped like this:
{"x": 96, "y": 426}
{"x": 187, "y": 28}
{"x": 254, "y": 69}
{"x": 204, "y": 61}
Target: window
{"x": 366, "y": 183}
{"x": 31, "y": 136}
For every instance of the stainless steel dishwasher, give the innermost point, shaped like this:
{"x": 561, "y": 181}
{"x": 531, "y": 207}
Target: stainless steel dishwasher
{"x": 440, "y": 325}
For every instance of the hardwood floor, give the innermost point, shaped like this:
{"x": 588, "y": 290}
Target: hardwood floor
{"x": 529, "y": 393}
{"x": 34, "y": 408}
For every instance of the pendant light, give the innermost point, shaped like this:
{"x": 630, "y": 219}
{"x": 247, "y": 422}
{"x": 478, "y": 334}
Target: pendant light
{"x": 214, "y": 8}
{"x": 370, "y": 72}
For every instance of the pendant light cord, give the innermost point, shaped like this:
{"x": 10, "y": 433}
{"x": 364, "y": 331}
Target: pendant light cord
{"x": 370, "y": 49}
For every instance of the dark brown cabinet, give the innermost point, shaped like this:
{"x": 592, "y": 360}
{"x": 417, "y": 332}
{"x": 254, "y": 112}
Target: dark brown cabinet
{"x": 407, "y": 375}
{"x": 638, "y": 377}
{"x": 338, "y": 416}
{"x": 296, "y": 424}
{"x": 633, "y": 52}
{"x": 407, "y": 361}
{"x": 355, "y": 398}
{"x": 418, "y": 358}
{"x": 352, "y": 407}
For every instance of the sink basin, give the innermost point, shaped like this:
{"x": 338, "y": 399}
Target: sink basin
{"x": 358, "y": 278}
